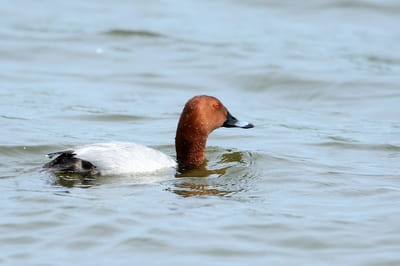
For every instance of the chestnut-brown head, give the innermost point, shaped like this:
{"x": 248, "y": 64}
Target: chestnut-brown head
{"x": 200, "y": 116}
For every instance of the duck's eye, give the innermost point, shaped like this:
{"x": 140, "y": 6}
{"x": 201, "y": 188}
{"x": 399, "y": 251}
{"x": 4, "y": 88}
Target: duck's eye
{"x": 216, "y": 105}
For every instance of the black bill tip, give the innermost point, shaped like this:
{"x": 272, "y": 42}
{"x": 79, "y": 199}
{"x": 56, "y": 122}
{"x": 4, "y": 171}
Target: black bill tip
{"x": 232, "y": 121}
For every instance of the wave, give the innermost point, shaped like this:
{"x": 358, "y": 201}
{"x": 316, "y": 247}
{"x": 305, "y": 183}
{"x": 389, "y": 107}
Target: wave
{"x": 133, "y": 33}
{"x": 18, "y": 149}
{"x": 105, "y": 117}
{"x": 359, "y": 146}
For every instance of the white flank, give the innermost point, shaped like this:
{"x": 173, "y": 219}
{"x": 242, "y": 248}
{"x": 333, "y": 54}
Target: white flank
{"x": 124, "y": 157}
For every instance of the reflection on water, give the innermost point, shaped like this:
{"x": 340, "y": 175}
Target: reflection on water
{"x": 214, "y": 178}
{"x": 195, "y": 188}
{"x": 201, "y": 172}
{"x": 74, "y": 180}
{"x": 195, "y": 182}
{"x": 68, "y": 179}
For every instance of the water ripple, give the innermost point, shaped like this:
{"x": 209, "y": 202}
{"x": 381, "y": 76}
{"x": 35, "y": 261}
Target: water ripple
{"x": 359, "y": 146}
{"x": 133, "y": 33}
{"x": 106, "y": 117}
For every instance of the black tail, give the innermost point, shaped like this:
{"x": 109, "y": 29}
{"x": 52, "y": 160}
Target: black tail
{"x": 65, "y": 161}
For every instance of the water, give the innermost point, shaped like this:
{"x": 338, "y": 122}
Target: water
{"x": 316, "y": 182}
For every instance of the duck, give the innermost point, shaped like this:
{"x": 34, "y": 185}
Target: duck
{"x": 201, "y": 115}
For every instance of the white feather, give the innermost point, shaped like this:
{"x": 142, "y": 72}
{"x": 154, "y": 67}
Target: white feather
{"x": 124, "y": 157}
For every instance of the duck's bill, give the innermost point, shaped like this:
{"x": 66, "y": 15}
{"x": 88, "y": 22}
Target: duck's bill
{"x": 231, "y": 121}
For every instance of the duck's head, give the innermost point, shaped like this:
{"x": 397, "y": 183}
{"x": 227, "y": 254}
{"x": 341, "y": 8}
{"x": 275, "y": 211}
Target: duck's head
{"x": 200, "y": 116}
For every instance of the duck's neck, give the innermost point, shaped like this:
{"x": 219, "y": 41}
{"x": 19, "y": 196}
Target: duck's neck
{"x": 190, "y": 148}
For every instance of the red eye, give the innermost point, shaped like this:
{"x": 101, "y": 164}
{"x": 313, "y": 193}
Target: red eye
{"x": 216, "y": 105}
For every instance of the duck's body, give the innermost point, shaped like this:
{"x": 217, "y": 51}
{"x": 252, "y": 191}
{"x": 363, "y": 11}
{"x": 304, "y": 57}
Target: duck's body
{"x": 110, "y": 158}
{"x": 201, "y": 115}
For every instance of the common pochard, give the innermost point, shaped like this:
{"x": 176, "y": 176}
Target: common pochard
{"x": 200, "y": 116}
